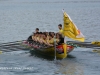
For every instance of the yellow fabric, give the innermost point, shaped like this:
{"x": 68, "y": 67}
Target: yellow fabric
{"x": 65, "y": 50}
{"x": 70, "y": 30}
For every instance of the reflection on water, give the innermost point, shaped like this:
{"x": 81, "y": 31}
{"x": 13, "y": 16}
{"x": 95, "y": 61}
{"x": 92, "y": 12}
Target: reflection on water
{"x": 68, "y": 67}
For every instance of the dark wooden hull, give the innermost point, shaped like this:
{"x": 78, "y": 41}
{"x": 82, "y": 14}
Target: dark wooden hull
{"x": 49, "y": 52}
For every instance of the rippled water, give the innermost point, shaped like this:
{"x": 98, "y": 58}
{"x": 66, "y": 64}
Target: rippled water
{"x": 19, "y": 18}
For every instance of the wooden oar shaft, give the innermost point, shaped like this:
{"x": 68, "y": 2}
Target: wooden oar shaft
{"x": 77, "y": 42}
{"x": 12, "y": 47}
{"x": 5, "y": 50}
{"x": 94, "y": 42}
{"x": 12, "y": 42}
{"x": 82, "y": 44}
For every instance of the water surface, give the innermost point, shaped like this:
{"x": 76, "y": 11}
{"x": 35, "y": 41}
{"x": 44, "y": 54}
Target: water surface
{"x": 19, "y": 18}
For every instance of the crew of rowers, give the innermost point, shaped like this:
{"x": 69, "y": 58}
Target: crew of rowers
{"x": 47, "y": 38}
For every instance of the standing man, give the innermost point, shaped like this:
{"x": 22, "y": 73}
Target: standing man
{"x": 61, "y": 33}
{"x": 60, "y": 29}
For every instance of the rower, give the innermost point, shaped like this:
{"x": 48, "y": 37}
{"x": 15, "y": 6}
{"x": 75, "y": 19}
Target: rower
{"x": 36, "y": 30}
{"x": 30, "y": 40}
{"x": 50, "y": 40}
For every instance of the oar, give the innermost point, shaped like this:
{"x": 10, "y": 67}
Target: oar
{"x": 14, "y": 42}
{"x": 96, "y": 43}
{"x": 85, "y": 44}
{"x": 10, "y": 44}
{"x": 9, "y": 48}
{"x": 18, "y": 46}
{"x": 93, "y": 42}
{"x": 4, "y": 50}
{"x": 82, "y": 43}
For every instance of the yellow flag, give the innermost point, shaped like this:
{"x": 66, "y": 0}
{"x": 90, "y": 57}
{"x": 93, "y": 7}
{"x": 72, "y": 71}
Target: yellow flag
{"x": 70, "y": 30}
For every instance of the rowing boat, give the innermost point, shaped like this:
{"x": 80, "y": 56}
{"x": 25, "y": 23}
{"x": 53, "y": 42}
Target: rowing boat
{"x": 49, "y": 51}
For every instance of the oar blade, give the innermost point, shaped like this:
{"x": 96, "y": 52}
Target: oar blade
{"x": 96, "y": 43}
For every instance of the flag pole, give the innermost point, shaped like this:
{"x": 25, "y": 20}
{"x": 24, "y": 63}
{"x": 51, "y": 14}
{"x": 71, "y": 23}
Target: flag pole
{"x": 55, "y": 46}
{"x": 63, "y": 10}
{"x": 55, "y": 42}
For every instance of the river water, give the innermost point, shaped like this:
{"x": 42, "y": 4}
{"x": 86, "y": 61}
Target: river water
{"x": 19, "y": 18}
